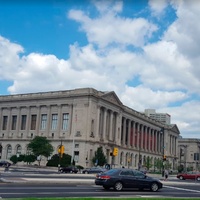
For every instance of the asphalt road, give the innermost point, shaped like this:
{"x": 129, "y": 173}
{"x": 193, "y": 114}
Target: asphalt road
{"x": 49, "y": 183}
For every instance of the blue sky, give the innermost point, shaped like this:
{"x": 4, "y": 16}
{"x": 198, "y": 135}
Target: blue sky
{"x": 145, "y": 51}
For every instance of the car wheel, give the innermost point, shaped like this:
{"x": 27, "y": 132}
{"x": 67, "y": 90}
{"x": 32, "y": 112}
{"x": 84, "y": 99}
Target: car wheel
{"x": 198, "y": 178}
{"x": 61, "y": 171}
{"x": 181, "y": 178}
{"x": 86, "y": 172}
{"x": 106, "y": 187}
{"x": 154, "y": 187}
{"x": 118, "y": 186}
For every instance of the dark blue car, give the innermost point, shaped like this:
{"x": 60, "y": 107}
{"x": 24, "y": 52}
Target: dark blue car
{"x": 127, "y": 178}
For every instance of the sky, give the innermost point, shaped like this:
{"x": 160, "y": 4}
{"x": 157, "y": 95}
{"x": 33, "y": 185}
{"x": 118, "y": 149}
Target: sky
{"x": 147, "y": 52}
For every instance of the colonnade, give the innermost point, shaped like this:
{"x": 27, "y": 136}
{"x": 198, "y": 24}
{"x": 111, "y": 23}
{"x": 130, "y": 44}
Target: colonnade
{"x": 129, "y": 132}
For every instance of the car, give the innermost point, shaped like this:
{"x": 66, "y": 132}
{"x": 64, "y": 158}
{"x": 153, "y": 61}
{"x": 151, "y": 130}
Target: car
{"x": 189, "y": 175}
{"x": 94, "y": 170}
{"x": 143, "y": 170}
{"x": 69, "y": 169}
{"x": 127, "y": 178}
{"x": 4, "y": 163}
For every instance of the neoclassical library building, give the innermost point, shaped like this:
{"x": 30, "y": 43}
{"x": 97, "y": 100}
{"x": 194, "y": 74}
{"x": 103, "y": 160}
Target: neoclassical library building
{"x": 83, "y": 120}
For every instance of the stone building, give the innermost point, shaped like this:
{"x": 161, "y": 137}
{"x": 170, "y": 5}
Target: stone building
{"x": 189, "y": 153}
{"x": 85, "y": 119}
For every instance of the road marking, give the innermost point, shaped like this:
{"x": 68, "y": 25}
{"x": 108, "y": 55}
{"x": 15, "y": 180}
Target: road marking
{"x": 177, "y": 188}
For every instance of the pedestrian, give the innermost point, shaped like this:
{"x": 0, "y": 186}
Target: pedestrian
{"x": 166, "y": 173}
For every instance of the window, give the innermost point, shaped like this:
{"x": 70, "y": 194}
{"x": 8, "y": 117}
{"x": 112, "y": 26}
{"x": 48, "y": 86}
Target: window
{"x": 76, "y": 145}
{"x": 9, "y": 150}
{"x": 65, "y": 120}
{"x": 23, "y": 122}
{"x": 54, "y": 122}
{"x": 76, "y": 156}
{"x": 18, "y": 150}
{"x": 33, "y": 122}
{"x": 5, "y": 122}
{"x": 14, "y": 122}
{"x": 43, "y": 122}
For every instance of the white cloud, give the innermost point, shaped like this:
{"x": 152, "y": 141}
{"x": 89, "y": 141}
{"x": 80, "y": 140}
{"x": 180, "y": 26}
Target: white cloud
{"x": 9, "y": 58}
{"x": 110, "y": 28}
{"x": 158, "y": 6}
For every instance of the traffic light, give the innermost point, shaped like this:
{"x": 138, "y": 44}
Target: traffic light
{"x": 61, "y": 150}
{"x": 115, "y": 151}
{"x": 164, "y": 157}
{"x": 111, "y": 153}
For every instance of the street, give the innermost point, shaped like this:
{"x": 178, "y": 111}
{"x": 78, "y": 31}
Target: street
{"x": 49, "y": 183}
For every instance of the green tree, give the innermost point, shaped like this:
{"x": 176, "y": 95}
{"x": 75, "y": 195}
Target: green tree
{"x": 64, "y": 161}
{"x": 99, "y": 158}
{"x": 14, "y": 159}
{"x": 149, "y": 163}
{"x": 30, "y": 158}
{"x": 40, "y": 146}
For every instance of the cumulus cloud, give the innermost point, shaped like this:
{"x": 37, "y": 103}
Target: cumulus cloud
{"x": 166, "y": 70}
{"x": 110, "y": 28}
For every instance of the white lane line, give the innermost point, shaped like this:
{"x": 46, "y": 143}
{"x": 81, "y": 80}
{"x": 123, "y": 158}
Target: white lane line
{"x": 177, "y": 188}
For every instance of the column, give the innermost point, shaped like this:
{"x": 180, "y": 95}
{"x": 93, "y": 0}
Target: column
{"x": 124, "y": 132}
{"x": 48, "y": 120}
{"x": 97, "y": 123}
{"x": 111, "y": 126}
{"x": 59, "y": 126}
{"x": 129, "y": 133}
{"x": 104, "y": 123}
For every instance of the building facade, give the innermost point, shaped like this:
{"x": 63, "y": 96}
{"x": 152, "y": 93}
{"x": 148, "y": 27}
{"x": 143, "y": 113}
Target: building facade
{"x": 189, "y": 154}
{"x": 161, "y": 117}
{"x": 83, "y": 120}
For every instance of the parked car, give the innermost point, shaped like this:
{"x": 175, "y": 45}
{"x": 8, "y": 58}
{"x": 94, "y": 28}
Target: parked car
{"x": 94, "y": 170}
{"x": 127, "y": 178}
{"x": 4, "y": 163}
{"x": 70, "y": 169}
{"x": 189, "y": 175}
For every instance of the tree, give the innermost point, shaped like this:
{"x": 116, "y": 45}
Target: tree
{"x": 64, "y": 161}
{"x": 40, "y": 146}
{"x": 14, "y": 159}
{"x": 30, "y": 158}
{"x": 99, "y": 158}
{"x": 149, "y": 163}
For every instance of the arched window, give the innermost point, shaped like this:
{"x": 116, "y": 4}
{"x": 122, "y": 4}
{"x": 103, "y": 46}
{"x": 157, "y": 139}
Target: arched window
{"x": 9, "y": 151}
{"x": 18, "y": 150}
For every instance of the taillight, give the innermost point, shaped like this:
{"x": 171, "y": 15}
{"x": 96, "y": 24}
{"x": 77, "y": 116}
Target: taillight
{"x": 104, "y": 177}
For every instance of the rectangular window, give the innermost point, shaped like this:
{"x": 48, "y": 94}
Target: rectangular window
{"x": 14, "y": 122}
{"x": 54, "y": 122}
{"x": 23, "y": 122}
{"x": 65, "y": 120}
{"x": 76, "y": 156}
{"x": 33, "y": 122}
{"x": 5, "y": 122}
{"x": 43, "y": 122}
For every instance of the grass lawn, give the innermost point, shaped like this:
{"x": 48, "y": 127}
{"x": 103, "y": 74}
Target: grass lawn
{"x": 84, "y": 198}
